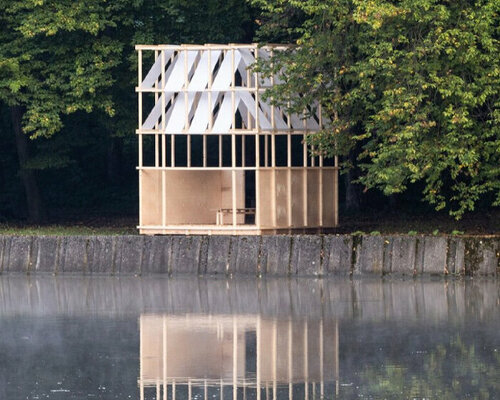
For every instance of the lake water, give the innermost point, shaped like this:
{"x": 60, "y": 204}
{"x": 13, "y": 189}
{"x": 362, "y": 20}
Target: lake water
{"x": 158, "y": 338}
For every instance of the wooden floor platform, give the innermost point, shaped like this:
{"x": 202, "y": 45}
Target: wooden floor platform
{"x": 249, "y": 230}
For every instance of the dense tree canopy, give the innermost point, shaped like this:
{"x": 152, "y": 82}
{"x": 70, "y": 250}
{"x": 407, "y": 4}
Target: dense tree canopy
{"x": 413, "y": 84}
{"x": 57, "y": 58}
{"x": 60, "y": 56}
{"x": 412, "y": 89}
{"x": 67, "y": 74}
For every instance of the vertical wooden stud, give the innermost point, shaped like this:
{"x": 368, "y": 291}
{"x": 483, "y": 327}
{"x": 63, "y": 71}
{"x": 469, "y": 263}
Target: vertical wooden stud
{"x": 210, "y": 115}
{"x": 273, "y": 160}
{"x": 289, "y": 169}
{"x": 186, "y": 109}
{"x": 320, "y": 197}
{"x": 233, "y": 138}
{"x": 257, "y": 152}
{"x": 243, "y": 155}
{"x": 266, "y": 150}
{"x": 304, "y": 176}
{"x": 157, "y": 137}
{"x": 249, "y": 114}
{"x": 172, "y": 151}
{"x": 139, "y": 77}
{"x": 220, "y": 136}
{"x": 204, "y": 136}
{"x": 172, "y": 137}
{"x": 220, "y": 151}
{"x": 163, "y": 146}
{"x": 140, "y": 155}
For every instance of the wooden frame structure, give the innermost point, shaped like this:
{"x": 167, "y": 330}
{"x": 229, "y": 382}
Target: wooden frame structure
{"x": 237, "y": 357}
{"x": 215, "y": 157}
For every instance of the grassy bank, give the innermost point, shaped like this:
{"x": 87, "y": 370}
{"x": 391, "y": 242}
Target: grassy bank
{"x": 369, "y": 223}
{"x": 94, "y": 226}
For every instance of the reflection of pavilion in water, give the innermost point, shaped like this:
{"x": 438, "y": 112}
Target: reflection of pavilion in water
{"x": 242, "y": 357}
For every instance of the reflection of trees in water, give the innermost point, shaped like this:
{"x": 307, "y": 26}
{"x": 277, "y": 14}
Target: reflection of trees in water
{"x": 451, "y": 371}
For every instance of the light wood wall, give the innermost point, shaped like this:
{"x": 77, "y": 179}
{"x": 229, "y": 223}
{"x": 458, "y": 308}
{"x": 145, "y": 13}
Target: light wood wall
{"x": 297, "y": 198}
{"x": 191, "y": 197}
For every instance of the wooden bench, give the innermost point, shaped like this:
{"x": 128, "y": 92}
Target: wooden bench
{"x": 224, "y": 211}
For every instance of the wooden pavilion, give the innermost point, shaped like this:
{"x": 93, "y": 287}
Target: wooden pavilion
{"x": 215, "y": 157}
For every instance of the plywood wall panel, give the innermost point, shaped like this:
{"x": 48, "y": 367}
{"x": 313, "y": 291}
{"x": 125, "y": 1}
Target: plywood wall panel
{"x": 150, "y": 197}
{"x": 281, "y": 198}
{"x": 297, "y": 198}
{"x": 265, "y": 199}
{"x": 328, "y": 199}
{"x": 193, "y": 197}
{"x": 227, "y": 195}
{"x": 313, "y": 194}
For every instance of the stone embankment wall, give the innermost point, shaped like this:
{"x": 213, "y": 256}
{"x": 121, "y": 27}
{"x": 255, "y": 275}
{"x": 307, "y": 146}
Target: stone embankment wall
{"x": 280, "y": 255}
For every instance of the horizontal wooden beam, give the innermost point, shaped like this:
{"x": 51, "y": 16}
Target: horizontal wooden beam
{"x": 210, "y": 46}
{"x": 236, "y": 168}
{"x": 228, "y": 133}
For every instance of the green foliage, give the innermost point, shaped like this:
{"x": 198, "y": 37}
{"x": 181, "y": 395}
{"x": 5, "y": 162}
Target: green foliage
{"x": 71, "y": 66}
{"x": 449, "y": 370}
{"x": 414, "y": 83}
{"x": 188, "y": 21}
{"x": 58, "y": 58}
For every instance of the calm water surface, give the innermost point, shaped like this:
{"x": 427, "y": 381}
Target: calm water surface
{"x": 188, "y": 338}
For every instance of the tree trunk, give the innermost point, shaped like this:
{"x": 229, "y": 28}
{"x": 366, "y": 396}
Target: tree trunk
{"x": 36, "y": 212}
{"x": 352, "y": 190}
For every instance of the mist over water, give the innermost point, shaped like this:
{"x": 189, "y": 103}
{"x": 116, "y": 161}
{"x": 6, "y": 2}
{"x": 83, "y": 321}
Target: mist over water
{"x": 143, "y": 338}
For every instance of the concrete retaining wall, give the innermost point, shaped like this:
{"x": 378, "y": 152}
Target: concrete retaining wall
{"x": 294, "y": 255}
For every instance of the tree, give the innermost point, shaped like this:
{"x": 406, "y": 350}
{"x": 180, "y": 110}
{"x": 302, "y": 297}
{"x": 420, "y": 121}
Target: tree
{"x": 57, "y": 58}
{"x": 61, "y": 58}
{"x": 414, "y": 84}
